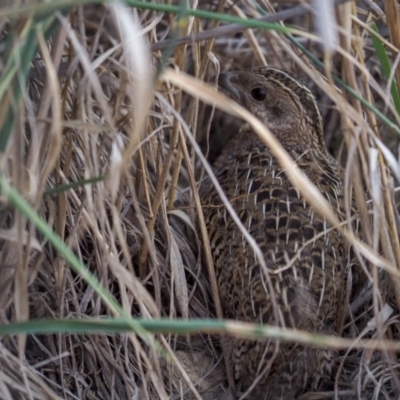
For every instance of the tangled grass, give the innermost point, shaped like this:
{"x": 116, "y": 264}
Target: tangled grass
{"x": 104, "y": 108}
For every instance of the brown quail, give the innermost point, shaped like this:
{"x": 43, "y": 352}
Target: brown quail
{"x": 307, "y": 292}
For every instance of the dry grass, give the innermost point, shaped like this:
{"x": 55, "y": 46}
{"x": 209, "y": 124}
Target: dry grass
{"x": 93, "y": 114}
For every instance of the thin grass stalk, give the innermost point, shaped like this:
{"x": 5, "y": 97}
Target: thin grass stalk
{"x": 210, "y": 44}
{"x": 201, "y": 67}
{"x": 46, "y": 97}
{"x": 21, "y": 299}
{"x": 251, "y": 38}
{"x": 144, "y": 179}
{"x": 180, "y": 63}
{"x": 157, "y": 200}
{"x": 54, "y": 141}
{"x": 174, "y": 179}
{"x": 357, "y": 167}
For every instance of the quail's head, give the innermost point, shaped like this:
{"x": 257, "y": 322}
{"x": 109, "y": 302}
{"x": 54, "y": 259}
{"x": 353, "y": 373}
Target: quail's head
{"x": 276, "y": 99}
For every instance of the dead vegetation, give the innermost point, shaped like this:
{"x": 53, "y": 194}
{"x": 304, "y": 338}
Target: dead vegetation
{"x": 102, "y": 144}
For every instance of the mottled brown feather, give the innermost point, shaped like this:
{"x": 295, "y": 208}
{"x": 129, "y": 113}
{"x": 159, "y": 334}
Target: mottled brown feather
{"x": 308, "y": 291}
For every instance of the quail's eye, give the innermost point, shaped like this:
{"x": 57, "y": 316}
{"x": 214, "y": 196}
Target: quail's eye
{"x": 258, "y": 94}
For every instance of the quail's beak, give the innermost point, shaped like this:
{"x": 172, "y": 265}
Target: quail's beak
{"x": 226, "y": 83}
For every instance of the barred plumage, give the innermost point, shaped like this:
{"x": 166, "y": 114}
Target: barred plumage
{"x": 307, "y": 260}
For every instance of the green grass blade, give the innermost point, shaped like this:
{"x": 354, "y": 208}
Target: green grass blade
{"x": 72, "y": 185}
{"x": 46, "y": 9}
{"x": 385, "y": 65}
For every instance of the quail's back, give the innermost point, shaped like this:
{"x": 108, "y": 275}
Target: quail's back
{"x": 305, "y": 257}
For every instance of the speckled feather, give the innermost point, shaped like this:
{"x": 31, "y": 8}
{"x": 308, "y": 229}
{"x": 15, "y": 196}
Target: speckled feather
{"x": 306, "y": 259}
